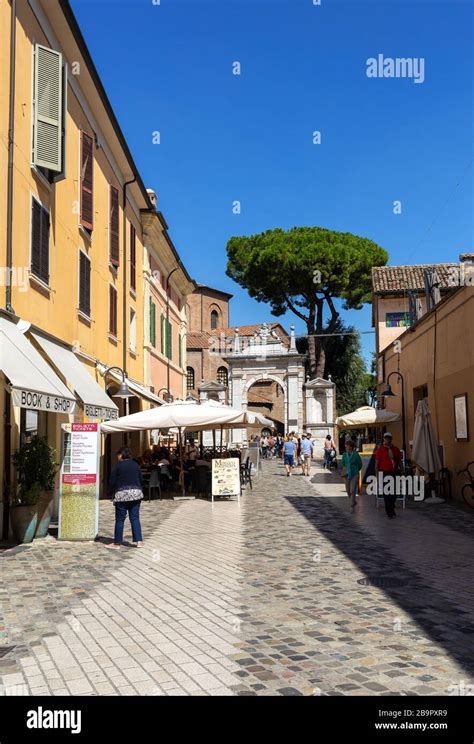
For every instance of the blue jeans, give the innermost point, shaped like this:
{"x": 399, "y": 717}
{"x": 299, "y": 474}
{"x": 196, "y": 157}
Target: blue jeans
{"x": 133, "y": 509}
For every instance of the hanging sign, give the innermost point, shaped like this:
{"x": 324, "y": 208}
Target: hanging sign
{"x": 79, "y": 482}
{"x": 42, "y": 402}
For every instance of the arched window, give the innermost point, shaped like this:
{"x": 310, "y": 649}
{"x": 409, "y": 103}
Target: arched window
{"x": 189, "y": 378}
{"x": 214, "y": 319}
{"x": 223, "y": 376}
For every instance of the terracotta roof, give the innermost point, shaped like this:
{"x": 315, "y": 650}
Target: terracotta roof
{"x": 249, "y": 330}
{"x": 200, "y": 286}
{"x": 197, "y": 340}
{"x": 396, "y": 279}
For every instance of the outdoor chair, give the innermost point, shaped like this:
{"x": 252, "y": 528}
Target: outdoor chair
{"x": 246, "y": 473}
{"x": 201, "y": 480}
{"x": 152, "y": 481}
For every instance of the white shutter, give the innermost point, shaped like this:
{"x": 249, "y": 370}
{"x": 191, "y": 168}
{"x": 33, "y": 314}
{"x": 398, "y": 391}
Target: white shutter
{"x": 48, "y": 108}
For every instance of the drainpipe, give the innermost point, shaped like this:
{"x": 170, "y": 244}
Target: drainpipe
{"x": 11, "y": 139}
{"x": 125, "y": 305}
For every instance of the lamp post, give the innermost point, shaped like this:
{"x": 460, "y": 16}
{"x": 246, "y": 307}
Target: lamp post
{"x": 123, "y": 390}
{"x": 388, "y": 393}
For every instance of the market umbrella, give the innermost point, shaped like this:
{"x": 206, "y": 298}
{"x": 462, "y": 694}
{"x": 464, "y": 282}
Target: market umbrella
{"x": 367, "y": 416}
{"x": 425, "y": 452}
{"x": 186, "y": 415}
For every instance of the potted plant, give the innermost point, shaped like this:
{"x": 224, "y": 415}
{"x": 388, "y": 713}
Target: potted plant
{"x": 24, "y": 512}
{"x": 36, "y": 466}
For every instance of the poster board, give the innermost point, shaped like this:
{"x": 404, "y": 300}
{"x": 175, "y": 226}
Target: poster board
{"x": 226, "y": 477}
{"x": 79, "y": 482}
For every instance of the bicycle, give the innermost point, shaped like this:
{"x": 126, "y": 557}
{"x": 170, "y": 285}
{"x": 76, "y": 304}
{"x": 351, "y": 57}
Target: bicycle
{"x": 467, "y": 490}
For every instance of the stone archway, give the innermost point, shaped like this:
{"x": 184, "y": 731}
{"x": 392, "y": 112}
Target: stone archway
{"x": 266, "y": 394}
{"x": 271, "y": 358}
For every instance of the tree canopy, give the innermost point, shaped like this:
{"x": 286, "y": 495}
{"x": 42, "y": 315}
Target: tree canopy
{"x": 303, "y": 270}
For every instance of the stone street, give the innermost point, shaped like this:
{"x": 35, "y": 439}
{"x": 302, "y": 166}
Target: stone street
{"x": 260, "y": 599}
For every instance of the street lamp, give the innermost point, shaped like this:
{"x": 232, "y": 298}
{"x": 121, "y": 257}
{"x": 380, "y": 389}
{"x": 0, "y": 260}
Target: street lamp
{"x": 123, "y": 390}
{"x": 167, "y": 396}
{"x": 388, "y": 393}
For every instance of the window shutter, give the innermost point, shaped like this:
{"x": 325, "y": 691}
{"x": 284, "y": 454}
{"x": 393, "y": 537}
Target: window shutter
{"x": 84, "y": 284}
{"x": 169, "y": 347}
{"x": 39, "y": 241}
{"x": 112, "y": 311}
{"x": 87, "y": 171}
{"x": 152, "y": 323}
{"x": 114, "y": 227}
{"x": 162, "y": 334}
{"x": 47, "y": 117}
{"x": 180, "y": 350}
{"x": 133, "y": 258}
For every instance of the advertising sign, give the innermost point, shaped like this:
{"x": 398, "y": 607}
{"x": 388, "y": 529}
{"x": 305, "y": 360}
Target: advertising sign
{"x": 226, "y": 477}
{"x": 79, "y": 482}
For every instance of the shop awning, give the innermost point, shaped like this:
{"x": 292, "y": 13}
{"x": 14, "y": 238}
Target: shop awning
{"x": 97, "y": 403}
{"x": 140, "y": 390}
{"x": 34, "y": 384}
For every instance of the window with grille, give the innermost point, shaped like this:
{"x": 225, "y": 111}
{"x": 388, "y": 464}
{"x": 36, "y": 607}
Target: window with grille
{"x": 189, "y": 378}
{"x": 223, "y": 376}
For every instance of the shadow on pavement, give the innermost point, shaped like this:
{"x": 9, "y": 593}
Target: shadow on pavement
{"x": 450, "y": 625}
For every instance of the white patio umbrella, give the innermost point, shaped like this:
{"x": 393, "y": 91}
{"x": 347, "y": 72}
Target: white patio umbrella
{"x": 367, "y": 416}
{"x": 425, "y": 452}
{"x": 186, "y": 416}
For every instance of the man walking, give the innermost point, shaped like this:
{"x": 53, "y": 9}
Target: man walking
{"x": 289, "y": 450}
{"x": 388, "y": 460}
{"x": 306, "y": 454}
{"x": 351, "y": 466}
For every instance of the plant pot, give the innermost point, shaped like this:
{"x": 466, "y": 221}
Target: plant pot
{"x": 23, "y": 520}
{"x": 45, "y": 512}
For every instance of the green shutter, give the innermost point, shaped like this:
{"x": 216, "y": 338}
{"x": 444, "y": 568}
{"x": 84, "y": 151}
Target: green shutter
{"x": 152, "y": 323}
{"x": 162, "y": 330}
{"x": 169, "y": 342}
{"x": 180, "y": 350}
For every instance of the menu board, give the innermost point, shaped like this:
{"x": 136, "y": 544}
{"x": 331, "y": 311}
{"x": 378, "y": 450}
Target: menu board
{"x": 226, "y": 477}
{"x": 78, "y": 505}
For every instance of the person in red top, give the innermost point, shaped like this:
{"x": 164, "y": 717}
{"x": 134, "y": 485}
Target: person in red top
{"x": 388, "y": 460}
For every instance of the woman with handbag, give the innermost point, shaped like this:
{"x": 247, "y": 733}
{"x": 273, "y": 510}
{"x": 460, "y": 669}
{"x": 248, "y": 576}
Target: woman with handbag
{"x": 351, "y": 467}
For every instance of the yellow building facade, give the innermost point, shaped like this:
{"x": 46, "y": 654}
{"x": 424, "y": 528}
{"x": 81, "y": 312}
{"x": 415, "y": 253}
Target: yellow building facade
{"x": 75, "y": 264}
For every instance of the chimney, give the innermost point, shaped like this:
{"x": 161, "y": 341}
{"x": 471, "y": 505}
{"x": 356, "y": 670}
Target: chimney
{"x": 153, "y": 198}
{"x": 466, "y": 257}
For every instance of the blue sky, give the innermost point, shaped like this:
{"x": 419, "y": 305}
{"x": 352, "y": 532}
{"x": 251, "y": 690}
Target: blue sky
{"x": 224, "y": 137}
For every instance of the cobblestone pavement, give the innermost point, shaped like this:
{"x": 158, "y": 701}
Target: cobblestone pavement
{"x": 260, "y": 599}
